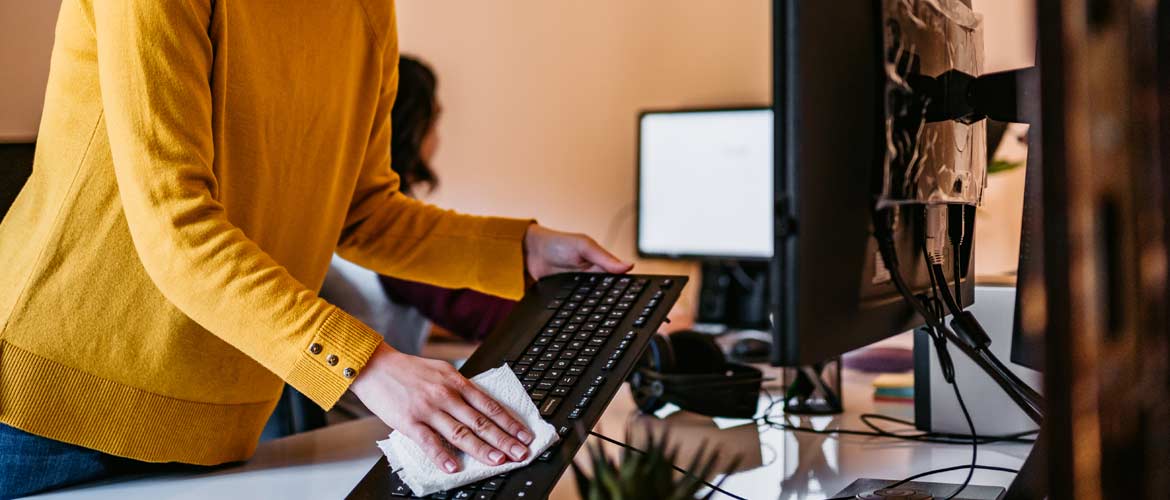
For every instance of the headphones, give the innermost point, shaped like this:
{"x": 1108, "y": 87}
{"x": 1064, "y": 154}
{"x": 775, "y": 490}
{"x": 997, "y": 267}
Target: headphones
{"x": 689, "y": 369}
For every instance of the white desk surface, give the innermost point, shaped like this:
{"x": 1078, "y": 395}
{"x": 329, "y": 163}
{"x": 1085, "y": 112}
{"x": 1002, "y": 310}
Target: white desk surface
{"x": 327, "y": 463}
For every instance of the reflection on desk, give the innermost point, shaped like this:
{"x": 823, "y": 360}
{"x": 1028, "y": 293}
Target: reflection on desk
{"x": 329, "y": 462}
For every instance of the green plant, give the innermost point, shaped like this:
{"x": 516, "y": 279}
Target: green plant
{"x": 647, "y": 474}
{"x": 997, "y": 166}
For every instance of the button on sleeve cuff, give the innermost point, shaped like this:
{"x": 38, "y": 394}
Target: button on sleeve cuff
{"x": 333, "y": 358}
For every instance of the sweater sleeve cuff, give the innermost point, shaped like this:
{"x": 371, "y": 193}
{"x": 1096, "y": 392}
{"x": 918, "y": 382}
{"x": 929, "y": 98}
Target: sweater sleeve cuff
{"x": 500, "y": 269}
{"x": 335, "y": 356}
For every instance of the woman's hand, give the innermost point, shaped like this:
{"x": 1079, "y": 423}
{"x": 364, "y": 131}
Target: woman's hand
{"x": 432, "y": 404}
{"x": 548, "y": 252}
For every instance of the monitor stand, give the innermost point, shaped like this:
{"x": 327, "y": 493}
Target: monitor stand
{"x": 814, "y": 389}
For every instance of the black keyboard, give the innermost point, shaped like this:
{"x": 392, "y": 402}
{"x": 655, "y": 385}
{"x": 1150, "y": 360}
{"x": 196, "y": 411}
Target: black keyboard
{"x": 572, "y": 340}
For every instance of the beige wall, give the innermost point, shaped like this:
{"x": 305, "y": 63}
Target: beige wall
{"x": 540, "y": 98}
{"x": 26, "y": 37}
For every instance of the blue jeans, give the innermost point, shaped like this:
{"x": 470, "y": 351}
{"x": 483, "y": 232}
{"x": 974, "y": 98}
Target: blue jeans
{"x": 32, "y": 464}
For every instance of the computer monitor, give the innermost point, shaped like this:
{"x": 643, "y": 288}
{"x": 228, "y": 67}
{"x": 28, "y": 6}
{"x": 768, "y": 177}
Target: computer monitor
{"x": 704, "y": 183}
{"x": 830, "y": 292}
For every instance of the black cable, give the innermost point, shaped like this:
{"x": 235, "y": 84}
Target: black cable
{"x": 974, "y": 442}
{"x": 949, "y": 469}
{"x": 1028, "y": 401}
{"x": 942, "y": 437}
{"x": 714, "y": 487}
{"x": 765, "y": 420}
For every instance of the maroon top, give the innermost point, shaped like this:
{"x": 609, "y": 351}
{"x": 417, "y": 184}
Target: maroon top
{"x": 464, "y": 312}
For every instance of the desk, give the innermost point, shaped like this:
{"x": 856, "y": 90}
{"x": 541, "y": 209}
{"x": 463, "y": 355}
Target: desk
{"x": 327, "y": 463}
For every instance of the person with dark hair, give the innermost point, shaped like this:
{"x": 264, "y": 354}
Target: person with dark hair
{"x": 403, "y": 310}
{"x": 198, "y": 163}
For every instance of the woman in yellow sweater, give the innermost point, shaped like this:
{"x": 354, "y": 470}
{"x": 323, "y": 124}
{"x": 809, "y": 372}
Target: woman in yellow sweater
{"x": 199, "y": 162}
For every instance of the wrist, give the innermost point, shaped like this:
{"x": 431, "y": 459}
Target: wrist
{"x": 370, "y": 376}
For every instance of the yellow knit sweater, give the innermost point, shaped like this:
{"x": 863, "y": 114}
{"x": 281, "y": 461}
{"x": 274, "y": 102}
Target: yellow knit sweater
{"x": 197, "y": 165}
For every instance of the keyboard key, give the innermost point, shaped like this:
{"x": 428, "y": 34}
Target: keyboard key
{"x": 610, "y": 323}
{"x": 597, "y": 341}
{"x": 485, "y": 495}
{"x": 609, "y": 301}
{"x": 520, "y": 370}
{"x": 546, "y": 456}
{"x": 652, "y": 303}
{"x": 556, "y": 323}
{"x": 617, "y": 354}
{"x": 533, "y": 376}
{"x": 666, "y": 283}
{"x": 563, "y": 294}
{"x": 583, "y": 335}
{"x": 596, "y": 317}
{"x": 526, "y": 360}
{"x": 528, "y": 386}
{"x": 578, "y": 318}
{"x": 583, "y": 402}
{"x": 629, "y": 297}
{"x": 563, "y": 314}
{"x": 576, "y": 370}
{"x": 442, "y": 495}
{"x": 562, "y": 430}
{"x": 572, "y": 305}
{"x": 576, "y": 413}
{"x": 604, "y": 308}
{"x": 400, "y": 490}
{"x": 545, "y": 385}
{"x": 604, "y": 332}
{"x": 542, "y": 340}
{"x": 580, "y": 297}
{"x": 554, "y": 304}
{"x": 630, "y": 335}
{"x": 623, "y": 344}
{"x": 659, "y": 294}
{"x": 561, "y": 364}
{"x": 623, "y": 306}
{"x": 548, "y": 356}
{"x": 538, "y": 396}
{"x": 555, "y": 347}
{"x": 624, "y": 280}
{"x": 569, "y": 354}
{"x": 572, "y": 328}
{"x": 641, "y": 321}
{"x": 540, "y": 365}
{"x": 617, "y": 314}
{"x": 568, "y": 380}
{"x": 464, "y": 494}
{"x": 493, "y": 484}
{"x": 549, "y": 331}
{"x": 596, "y": 294}
{"x": 591, "y": 390}
{"x": 592, "y": 302}
{"x": 564, "y": 337}
{"x": 549, "y": 407}
{"x": 598, "y": 380}
{"x": 589, "y": 327}
{"x": 534, "y": 350}
{"x": 582, "y": 360}
{"x": 609, "y": 364}
{"x": 577, "y": 344}
{"x": 589, "y": 351}
{"x": 553, "y": 374}
{"x": 561, "y": 390}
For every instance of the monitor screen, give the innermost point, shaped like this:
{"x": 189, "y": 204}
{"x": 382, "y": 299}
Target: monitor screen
{"x": 705, "y": 184}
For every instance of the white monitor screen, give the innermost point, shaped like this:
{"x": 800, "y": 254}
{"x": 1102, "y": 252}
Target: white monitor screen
{"x": 705, "y": 184}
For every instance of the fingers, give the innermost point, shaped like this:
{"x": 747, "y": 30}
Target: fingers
{"x": 433, "y": 446}
{"x": 465, "y": 438}
{"x": 600, "y": 257}
{"x": 510, "y": 429}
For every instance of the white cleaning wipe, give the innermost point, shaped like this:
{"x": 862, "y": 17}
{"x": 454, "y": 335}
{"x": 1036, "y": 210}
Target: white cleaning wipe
{"x": 424, "y": 477}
